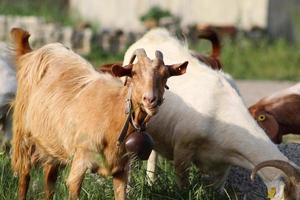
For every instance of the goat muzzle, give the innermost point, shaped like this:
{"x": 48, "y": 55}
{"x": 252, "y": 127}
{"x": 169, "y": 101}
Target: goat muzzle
{"x": 137, "y": 142}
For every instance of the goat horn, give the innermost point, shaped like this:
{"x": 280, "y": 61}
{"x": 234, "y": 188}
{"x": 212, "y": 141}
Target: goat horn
{"x": 159, "y": 55}
{"x": 287, "y": 168}
{"x": 140, "y": 53}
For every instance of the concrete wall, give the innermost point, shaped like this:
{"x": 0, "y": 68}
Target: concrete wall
{"x": 81, "y": 40}
{"x": 43, "y": 33}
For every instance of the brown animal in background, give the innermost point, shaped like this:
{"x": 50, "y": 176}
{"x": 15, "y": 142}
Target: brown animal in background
{"x": 223, "y": 31}
{"x": 279, "y": 114}
{"x": 67, "y": 113}
{"x": 213, "y": 60}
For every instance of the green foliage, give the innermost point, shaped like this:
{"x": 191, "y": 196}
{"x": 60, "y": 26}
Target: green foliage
{"x": 95, "y": 187}
{"x": 262, "y": 59}
{"x": 99, "y": 57}
{"x": 155, "y": 13}
{"x": 50, "y": 10}
{"x": 243, "y": 58}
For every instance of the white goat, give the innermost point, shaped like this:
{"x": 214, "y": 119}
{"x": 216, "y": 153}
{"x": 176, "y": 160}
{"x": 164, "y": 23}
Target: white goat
{"x": 8, "y": 86}
{"x": 204, "y": 120}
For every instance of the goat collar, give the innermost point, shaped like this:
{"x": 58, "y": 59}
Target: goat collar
{"x": 129, "y": 119}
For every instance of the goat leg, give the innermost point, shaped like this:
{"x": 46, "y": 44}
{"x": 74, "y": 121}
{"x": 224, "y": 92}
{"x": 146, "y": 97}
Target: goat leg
{"x": 77, "y": 172}
{"x": 182, "y": 162}
{"x": 50, "y": 177}
{"x": 151, "y": 166}
{"x": 218, "y": 179}
{"x": 24, "y": 180}
{"x": 120, "y": 183}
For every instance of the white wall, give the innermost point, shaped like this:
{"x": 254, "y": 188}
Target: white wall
{"x": 126, "y": 13}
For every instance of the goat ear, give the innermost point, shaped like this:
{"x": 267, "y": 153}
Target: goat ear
{"x": 178, "y": 69}
{"x": 119, "y": 70}
{"x": 106, "y": 68}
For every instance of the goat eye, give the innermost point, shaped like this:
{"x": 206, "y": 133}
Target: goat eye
{"x": 261, "y": 118}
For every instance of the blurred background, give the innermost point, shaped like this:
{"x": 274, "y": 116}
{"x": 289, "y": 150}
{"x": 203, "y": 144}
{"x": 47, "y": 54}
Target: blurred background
{"x": 260, "y": 42}
{"x": 260, "y": 38}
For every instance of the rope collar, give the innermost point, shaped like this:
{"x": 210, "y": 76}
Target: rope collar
{"x": 130, "y": 115}
{"x": 129, "y": 119}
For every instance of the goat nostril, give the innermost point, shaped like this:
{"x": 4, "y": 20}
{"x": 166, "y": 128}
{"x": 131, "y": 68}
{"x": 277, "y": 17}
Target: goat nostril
{"x": 152, "y": 99}
{"x": 149, "y": 99}
{"x": 144, "y": 98}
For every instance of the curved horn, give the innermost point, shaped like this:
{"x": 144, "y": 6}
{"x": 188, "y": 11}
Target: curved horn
{"x": 159, "y": 58}
{"x": 284, "y": 166}
{"x": 132, "y": 58}
{"x": 139, "y": 53}
{"x": 159, "y": 55}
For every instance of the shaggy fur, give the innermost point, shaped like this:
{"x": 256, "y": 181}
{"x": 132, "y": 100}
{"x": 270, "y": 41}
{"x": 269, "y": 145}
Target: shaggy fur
{"x": 67, "y": 113}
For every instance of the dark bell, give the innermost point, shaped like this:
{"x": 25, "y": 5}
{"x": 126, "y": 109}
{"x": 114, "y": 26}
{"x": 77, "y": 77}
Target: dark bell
{"x": 139, "y": 143}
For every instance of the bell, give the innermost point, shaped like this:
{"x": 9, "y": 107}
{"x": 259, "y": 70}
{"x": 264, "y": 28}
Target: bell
{"x": 139, "y": 143}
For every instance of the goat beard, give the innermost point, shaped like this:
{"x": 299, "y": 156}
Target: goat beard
{"x": 151, "y": 111}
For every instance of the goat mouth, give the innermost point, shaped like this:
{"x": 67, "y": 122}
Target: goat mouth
{"x": 150, "y": 110}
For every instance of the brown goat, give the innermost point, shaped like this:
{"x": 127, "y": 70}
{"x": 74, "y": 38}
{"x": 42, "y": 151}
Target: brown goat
{"x": 212, "y": 60}
{"x": 279, "y": 114}
{"x": 224, "y": 31}
{"x": 67, "y": 113}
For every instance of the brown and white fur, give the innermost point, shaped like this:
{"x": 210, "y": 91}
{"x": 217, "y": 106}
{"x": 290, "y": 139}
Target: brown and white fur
{"x": 279, "y": 114}
{"x": 205, "y": 122}
{"x": 212, "y": 60}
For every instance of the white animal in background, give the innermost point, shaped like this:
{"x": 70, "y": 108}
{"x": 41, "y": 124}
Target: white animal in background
{"x": 8, "y": 86}
{"x": 204, "y": 121}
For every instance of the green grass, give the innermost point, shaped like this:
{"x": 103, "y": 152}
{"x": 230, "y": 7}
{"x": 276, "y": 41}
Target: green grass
{"x": 245, "y": 59}
{"x": 99, "y": 57}
{"x": 262, "y": 58}
{"x": 95, "y": 187}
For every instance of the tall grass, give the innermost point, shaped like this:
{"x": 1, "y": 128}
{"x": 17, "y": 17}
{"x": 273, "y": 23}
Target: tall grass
{"x": 95, "y": 187}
